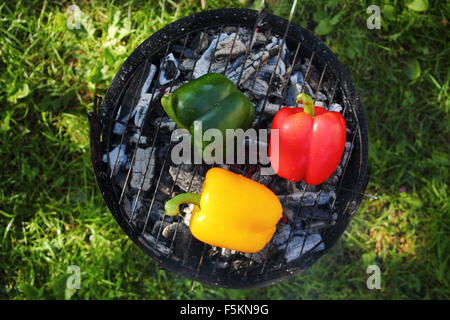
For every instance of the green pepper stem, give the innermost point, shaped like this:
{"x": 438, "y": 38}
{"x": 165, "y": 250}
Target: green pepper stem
{"x": 172, "y": 207}
{"x": 308, "y": 103}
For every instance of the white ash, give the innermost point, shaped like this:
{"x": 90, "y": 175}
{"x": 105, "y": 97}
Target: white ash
{"x": 134, "y": 139}
{"x": 172, "y": 87}
{"x": 160, "y": 248}
{"x": 170, "y": 70}
{"x": 231, "y": 47}
{"x": 294, "y": 247}
{"x": 254, "y": 59}
{"x": 307, "y": 198}
{"x": 184, "y": 179}
{"x": 187, "y": 214}
{"x": 121, "y": 158}
{"x": 260, "y": 38}
{"x": 320, "y": 97}
{"x": 269, "y": 108}
{"x": 135, "y": 204}
{"x": 227, "y": 253}
{"x": 260, "y": 256}
{"x": 144, "y": 164}
{"x": 200, "y": 43}
{"x": 320, "y": 104}
{"x": 282, "y": 234}
{"x": 295, "y": 86}
{"x": 148, "y": 81}
{"x": 119, "y": 127}
{"x": 204, "y": 62}
{"x": 141, "y": 108}
{"x": 187, "y": 65}
{"x": 166, "y": 123}
{"x": 335, "y": 107}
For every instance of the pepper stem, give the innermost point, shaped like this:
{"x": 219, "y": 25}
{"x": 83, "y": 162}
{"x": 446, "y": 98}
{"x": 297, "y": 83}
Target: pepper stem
{"x": 308, "y": 103}
{"x": 172, "y": 207}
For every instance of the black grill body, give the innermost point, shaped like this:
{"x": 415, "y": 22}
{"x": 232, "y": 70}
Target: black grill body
{"x": 201, "y": 262}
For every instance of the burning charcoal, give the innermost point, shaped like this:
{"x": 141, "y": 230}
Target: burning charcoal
{"x": 282, "y": 234}
{"x": 316, "y": 225}
{"x": 260, "y": 86}
{"x": 170, "y": 70}
{"x": 157, "y": 212}
{"x": 121, "y": 159}
{"x": 185, "y": 177}
{"x": 134, "y": 139}
{"x": 158, "y": 227}
{"x": 295, "y": 86}
{"x": 180, "y": 229}
{"x": 172, "y": 87}
{"x": 335, "y": 107}
{"x": 320, "y": 104}
{"x": 200, "y": 43}
{"x": 143, "y": 164}
{"x": 294, "y": 247}
{"x": 205, "y": 60}
{"x": 260, "y": 38}
{"x": 166, "y": 123}
{"x": 320, "y": 97}
{"x": 263, "y": 179}
{"x": 308, "y": 199}
{"x": 135, "y": 204}
{"x": 148, "y": 81}
{"x": 313, "y": 76}
{"x": 224, "y": 47}
{"x": 315, "y": 213}
{"x": 141, "y": 108}
{"x": 187, "y": 214}
{"x": 227, "y": 253}
{"x": 269, "y": 108}
{"x": 289, "y": 213}
{"x": 306, "y": 88}
{"x": 254, "y": 59}
{"x": 189, "y": 53}
{"x": 260, "y": 256}
{"x": 183, "y": 243}
{"x": 187, "y": 65}
{"x": 120, "y": 127}
{"x": 251, "y": 64}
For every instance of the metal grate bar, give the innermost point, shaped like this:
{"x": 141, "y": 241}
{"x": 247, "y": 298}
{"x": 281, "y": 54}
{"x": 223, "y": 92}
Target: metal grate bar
{"x": 140, "y": 133}
{"x": 270, "y": 243}
{"x": 291, "y": 68}
{"x": 133, "y": 107}
{"x": 111, "y": 120}
{"x": 238, "y": 29}
{"x": 153, "y": 148}
{"x": 320, "y": 83}
{"x": 154, "y": 193}
{"x": 260, "y": 60}
{"x": 252, "y": 40}
{"x": 194, "y": 172}
{"x": 283, "y": 42}
{"x": 309, "y": 222}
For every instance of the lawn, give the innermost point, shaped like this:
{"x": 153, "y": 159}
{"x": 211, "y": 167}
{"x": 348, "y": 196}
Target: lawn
{"x": 52, "y": 214}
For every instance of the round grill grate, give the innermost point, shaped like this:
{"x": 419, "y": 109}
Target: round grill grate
{"x": 270, "y": 60}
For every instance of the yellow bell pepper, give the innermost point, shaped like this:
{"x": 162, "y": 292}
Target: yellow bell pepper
{"x": 236, "y": 213}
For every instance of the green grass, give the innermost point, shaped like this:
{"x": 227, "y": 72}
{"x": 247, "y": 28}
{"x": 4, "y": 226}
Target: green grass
{"x": 52, "y": 214}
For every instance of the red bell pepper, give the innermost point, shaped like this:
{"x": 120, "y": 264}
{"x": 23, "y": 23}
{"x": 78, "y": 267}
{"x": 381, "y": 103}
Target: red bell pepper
{"x": 311, "y": 142}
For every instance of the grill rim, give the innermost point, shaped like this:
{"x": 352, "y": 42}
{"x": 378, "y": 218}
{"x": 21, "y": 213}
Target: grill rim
{"x": 159, "y": 40}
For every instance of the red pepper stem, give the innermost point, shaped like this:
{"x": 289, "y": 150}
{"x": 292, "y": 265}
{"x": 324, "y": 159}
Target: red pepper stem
{"x": 172, "y": 207}
{"x": 308, "y": 103}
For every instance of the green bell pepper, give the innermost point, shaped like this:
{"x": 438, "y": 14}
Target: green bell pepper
{"x": 212, "y": 99}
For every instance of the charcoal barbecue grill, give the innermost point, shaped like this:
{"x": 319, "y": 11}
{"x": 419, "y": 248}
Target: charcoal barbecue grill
{"x": 271, "y": 60}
